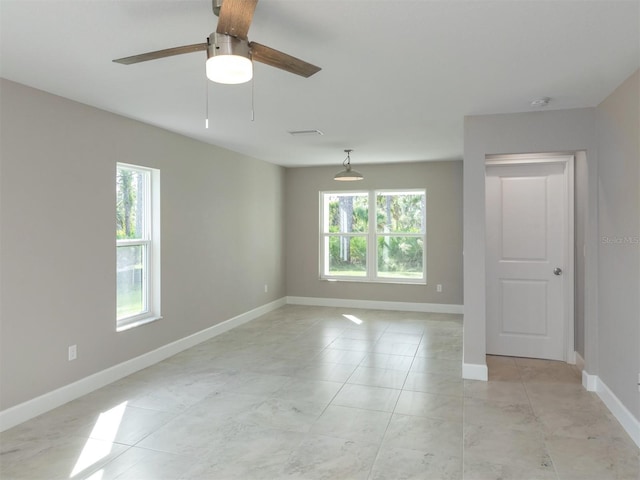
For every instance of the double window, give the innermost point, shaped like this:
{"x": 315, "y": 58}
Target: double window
{"x": 375, "y": 236}
{"x": 137, "y": 246}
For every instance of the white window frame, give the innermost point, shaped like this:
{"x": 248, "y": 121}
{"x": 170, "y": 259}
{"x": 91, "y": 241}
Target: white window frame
{"x": 324, "y": 259}
{"x": 150, "y": 242}
{"x": 372, "y": 275}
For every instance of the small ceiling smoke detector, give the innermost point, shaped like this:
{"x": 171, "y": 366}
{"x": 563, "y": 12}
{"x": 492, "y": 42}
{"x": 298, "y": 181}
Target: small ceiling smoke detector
{"x": 540, "y": 102}
{"x": 297, "y": 133}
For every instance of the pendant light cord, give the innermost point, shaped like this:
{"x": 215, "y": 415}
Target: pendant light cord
{"x": 347, "y": 161}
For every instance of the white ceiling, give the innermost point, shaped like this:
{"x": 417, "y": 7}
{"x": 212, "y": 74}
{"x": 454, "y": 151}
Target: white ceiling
{"x": 397, "y": 76}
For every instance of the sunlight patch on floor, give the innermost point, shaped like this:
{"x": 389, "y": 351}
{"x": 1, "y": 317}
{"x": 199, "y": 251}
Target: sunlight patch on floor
{"x": 353, "y": 318}
{"x": 97, "y": 475}
{"x": 100, "y": 441}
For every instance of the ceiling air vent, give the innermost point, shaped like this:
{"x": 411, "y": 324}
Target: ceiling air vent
{"x": 298, "y": 133}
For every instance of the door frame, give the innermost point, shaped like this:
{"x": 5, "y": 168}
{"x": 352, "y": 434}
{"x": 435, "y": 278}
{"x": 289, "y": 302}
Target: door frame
{"x": 568, "y": 159}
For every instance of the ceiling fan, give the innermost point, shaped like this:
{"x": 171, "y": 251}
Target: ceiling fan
{"x": 229, "y": 52}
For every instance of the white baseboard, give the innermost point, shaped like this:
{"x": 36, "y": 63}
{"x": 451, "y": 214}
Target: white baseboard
{"x": 32, "y": 408}
{"x": 593, "y": 383}
{"x": 475, "y": 371}
{"x": 630, "y": 423}
{"x": 377, "y": 305}
{"x": 589, "y": 382}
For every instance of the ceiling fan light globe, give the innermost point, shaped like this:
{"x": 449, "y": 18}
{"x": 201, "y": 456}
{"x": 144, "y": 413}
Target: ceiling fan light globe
{"x": 229, "y": 69}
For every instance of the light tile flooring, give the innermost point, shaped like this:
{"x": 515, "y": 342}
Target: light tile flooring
{"x": 305, "y": 393}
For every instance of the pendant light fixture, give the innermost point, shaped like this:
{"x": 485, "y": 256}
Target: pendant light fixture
{"x": 348, "y": 175}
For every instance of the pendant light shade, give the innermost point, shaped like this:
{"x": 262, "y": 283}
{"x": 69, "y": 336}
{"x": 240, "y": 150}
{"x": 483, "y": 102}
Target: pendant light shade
{"x": 348, "y": 175}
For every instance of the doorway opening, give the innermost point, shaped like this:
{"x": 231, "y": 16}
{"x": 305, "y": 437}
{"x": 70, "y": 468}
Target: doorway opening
{"x": 530, "y": 256}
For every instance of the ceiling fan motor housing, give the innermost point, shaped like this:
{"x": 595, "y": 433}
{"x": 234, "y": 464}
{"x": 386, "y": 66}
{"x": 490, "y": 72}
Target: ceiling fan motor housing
{"x": 222, "y": 44}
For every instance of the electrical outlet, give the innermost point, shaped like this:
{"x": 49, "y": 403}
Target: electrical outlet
{"x": 266, "y": 288}
{"x": 73, "y": 352}
{"x": 439, "y": 288}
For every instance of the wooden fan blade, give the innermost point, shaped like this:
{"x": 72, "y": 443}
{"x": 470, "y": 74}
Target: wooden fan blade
{"x": 263, "y": 54}
{"x": 235, "y": 17}
{"x": 169, "y": 52}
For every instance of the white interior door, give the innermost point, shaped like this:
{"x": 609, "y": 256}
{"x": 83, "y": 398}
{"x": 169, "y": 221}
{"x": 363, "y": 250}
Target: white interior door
{"x": 527, "y": 239}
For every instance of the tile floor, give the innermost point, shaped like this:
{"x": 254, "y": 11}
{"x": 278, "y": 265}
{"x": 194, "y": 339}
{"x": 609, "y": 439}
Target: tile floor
{"x": 305, "y": 393}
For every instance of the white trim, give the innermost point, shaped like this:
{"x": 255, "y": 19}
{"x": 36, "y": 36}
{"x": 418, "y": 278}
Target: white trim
{"x": 137, "y": 322}
{"x": 569, "y": 267}
{"x": 475, "y": 371}
{"x": 371, "y": 273}
{"x": 379, "y": 279}
{"x": 616, "y": 407}
{"x": 528, "y": 158}
{"x": 589, "y": 382}
{"x": 132, "y": 242}
{"x": 568, "y": 160}
{"x": 31, "y": 408}
{"x": 593, "y": 383}
{"x": 377, "y": 305}
{"x": 151, "y": 242}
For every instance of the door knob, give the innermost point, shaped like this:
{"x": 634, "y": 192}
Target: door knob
{"x": 557, "y": 271}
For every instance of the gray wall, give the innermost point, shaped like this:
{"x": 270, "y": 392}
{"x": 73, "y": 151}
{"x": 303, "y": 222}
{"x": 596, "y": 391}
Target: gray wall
{"x": 222, "y": 238}
{"x": 619, "y": 257}
{"x": 608, "y": 172}
{"x": 443, "y": 183}
{"x": 548, "y": 131}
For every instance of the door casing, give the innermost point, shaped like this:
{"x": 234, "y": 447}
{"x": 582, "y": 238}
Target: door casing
{"x": 569, "y": 254}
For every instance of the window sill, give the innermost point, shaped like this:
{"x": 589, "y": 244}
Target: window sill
{"x": 137, "y": 323}
{"x": 386, "y": 281}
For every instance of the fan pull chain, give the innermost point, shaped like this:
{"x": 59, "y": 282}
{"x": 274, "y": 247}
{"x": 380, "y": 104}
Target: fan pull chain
{"x": 206, "y": 89}
{"x": 253, "y": 115}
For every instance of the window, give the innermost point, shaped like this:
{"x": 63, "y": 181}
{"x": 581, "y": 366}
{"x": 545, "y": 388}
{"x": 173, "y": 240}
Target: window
{"x": 137, "y": 246}
{"x": 376, "y": 236}
{"x": 345, "y": 234}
